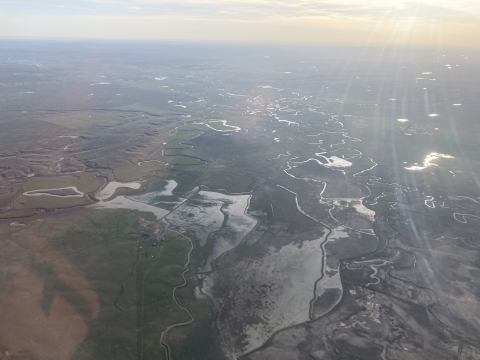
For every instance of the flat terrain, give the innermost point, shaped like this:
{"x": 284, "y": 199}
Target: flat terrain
{"x": 172, "y": 201}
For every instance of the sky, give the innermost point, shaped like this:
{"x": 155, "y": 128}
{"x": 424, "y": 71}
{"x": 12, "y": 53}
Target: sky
{"x": 357, "y": 22}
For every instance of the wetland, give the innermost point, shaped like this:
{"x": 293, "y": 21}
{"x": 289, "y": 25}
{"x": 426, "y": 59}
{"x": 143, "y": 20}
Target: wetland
{"x": 212, "y": 204}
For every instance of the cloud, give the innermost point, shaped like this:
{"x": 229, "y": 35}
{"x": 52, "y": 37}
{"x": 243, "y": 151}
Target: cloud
{"x": 326, "y": 21}
{"x": 444, "y": 10}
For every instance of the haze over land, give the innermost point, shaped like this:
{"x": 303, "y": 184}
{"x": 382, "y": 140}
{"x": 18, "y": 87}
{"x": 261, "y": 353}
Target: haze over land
{"x": 217, "y": 193}
{"x": 174, "y": 201}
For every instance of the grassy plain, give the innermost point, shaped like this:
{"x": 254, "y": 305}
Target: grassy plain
{"x": 132, "y": 278}
{"x": 107, "y": 278}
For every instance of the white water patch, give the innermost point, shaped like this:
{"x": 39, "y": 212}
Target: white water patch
{"x": 282, "y": 306}
{"x": 430, "y": 202}
{"x": 357, "y": 205}
{"x": 224, "y": 123}
{"x": 203, "y": 215}
{"x": 182, "y": 106}
{"x": 168, "y": 190}
{"x": 373, "y": 265}
{"x": 331, "y": 276}
{"x": 433, "y": 115}
{"x": 112, "y": 186}
{"x": 463, "y": 217}
{"x": 374, "y": 276}
{"x": 289, "y": 122}
{"x": 199, "y": 294}
{"x": 351, "y": 138}
{"x": 200, "y": 215}
{"x": 150, "y": 198}
{"x": 402, "y": 120}
{"x": 121, "y": 202}
{"x": 44, "y": 192}
{"x": 68, "y": 136}
{"x": 238, "y": 224}
{"x": 161, "y": 78}
{"x": 100, "y": 83}
{"x": 362, "y": 209}
{"x": 270, "y": 87}
{"x": 151, "y": 161}
{"x": 208, "y": 283}
{"x": 334, "y": 161}
{"x": 468, "y": 198}
{"x": 428, "y": 161}
{"x": 331, "y": 280}
{"x": 352, "y": 214}
{"x": 277, "y": 139}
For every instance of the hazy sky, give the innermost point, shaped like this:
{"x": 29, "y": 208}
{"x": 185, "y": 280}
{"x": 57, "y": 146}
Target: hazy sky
{"x": 446, "y": 22}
